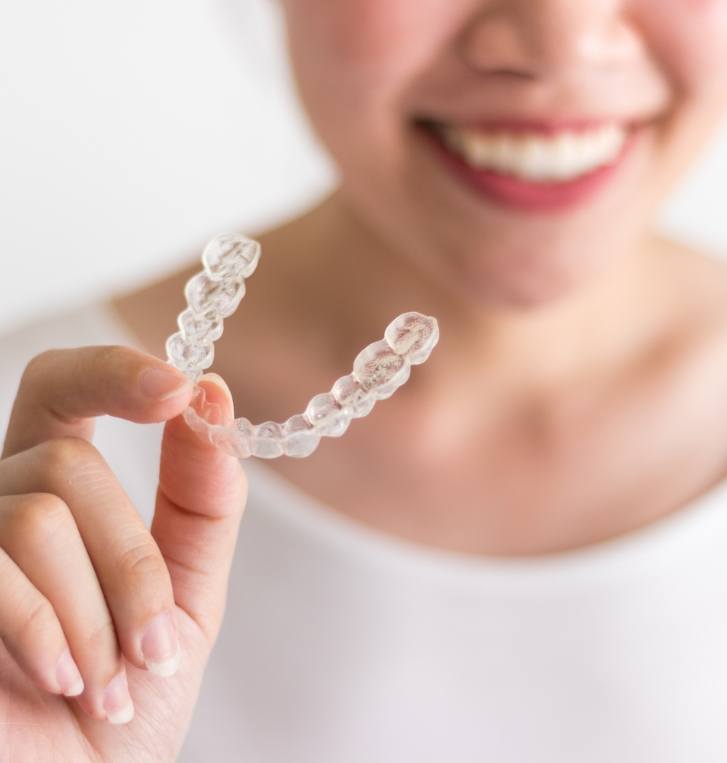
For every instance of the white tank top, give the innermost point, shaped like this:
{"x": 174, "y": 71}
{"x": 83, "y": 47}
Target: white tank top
{"x": 342, "y": 644}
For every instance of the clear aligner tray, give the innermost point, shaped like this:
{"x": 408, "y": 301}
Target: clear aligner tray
{"x": 214, "y": 294}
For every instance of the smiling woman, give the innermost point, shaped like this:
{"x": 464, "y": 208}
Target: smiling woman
{"x": 520, "y": 557}
{"x": 523, "y": 66}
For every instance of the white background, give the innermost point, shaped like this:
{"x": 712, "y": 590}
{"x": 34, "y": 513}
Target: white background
{"x": 132, "y": 132}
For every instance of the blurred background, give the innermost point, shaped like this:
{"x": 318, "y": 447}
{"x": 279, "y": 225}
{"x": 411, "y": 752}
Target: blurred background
{"x": 133, "y": 132}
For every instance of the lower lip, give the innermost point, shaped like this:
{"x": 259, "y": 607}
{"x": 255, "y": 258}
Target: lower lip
{"x": 516, "y": 193}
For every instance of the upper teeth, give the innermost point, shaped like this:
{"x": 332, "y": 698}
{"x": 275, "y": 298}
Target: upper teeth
{"x": 537, "y": 157}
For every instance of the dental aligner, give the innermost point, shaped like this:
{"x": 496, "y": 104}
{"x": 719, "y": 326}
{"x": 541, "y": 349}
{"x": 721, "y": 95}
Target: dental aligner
{"x": 214, "y": 294}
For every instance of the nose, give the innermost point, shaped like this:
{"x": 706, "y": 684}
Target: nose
{"x": 545, "y": 38}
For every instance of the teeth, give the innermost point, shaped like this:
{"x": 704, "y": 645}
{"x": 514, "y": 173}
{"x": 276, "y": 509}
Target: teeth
{"x": 533, "y": 157}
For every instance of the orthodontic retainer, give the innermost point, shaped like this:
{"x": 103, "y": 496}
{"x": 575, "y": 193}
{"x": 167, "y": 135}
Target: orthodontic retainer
{"x": 378, "y": 370}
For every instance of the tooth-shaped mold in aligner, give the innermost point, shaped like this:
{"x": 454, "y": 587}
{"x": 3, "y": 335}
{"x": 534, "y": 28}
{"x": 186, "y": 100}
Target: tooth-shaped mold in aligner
{"x": 327, "y": 416}
{"x": 214, "y": 294}
{"x": 413, "y": 335}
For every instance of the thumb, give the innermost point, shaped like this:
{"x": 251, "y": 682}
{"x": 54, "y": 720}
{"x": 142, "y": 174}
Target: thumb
{"x": 200, "y": 499}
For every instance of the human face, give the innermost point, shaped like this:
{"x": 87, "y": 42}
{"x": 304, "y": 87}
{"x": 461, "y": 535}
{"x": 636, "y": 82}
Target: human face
{"x": 368, "y": 70}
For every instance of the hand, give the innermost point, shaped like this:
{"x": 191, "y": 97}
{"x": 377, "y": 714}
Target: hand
{"x": 85, "y": 584}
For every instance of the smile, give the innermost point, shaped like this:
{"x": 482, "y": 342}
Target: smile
{"x": 540, "y": 158}
{"x": 528, "y": 168}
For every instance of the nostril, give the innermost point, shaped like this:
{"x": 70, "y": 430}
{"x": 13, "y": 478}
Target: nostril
{"x": 512, "y": 74}
{"x": 494, "y": 44}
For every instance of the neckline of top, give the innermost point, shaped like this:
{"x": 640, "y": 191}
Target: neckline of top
{"x": 641, "y": 549}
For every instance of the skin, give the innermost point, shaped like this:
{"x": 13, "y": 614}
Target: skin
{"x": 588, "y": 356}
{"x": 568, "y": 343}
{"x": 91, "y": 581}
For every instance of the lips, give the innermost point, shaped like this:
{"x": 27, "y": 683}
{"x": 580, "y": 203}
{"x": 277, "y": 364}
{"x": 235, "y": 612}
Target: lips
{"x": 531, "y": 166}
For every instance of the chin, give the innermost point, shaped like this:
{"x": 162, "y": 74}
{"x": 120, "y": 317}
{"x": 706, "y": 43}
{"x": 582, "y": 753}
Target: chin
{"x": 529, "y": 275}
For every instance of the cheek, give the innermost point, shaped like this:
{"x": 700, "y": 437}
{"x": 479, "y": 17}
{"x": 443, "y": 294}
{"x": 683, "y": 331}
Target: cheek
{"x": 367, "y": 47}
{"x": 689, "y": 37}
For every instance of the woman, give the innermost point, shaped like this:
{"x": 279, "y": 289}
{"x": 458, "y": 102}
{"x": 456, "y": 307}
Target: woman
{"x": 517, "y": 557}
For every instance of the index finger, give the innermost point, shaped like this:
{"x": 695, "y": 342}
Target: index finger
{"x": 61, "y": 391}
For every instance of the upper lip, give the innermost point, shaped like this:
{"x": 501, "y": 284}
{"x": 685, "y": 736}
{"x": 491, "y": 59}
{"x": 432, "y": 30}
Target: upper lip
{"x": 547, "y": 126}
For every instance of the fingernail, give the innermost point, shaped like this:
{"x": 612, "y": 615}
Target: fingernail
{"x": 68, "y": 676}
{"x": 117, "y": 702}
{"x": 212, "y": 412}
{"x": 160, "y": 383}
{"x": 217, "y": 380}
{"x": 160, "y": 646}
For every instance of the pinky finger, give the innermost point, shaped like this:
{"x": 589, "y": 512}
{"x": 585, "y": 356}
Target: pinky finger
{"x": 32, "y": 634}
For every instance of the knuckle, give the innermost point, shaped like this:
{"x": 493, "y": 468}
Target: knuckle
{"x": 40, "y": 516}
{"x": 113, "y": 356}
{"x": 64, "y": 455}
{"x": 35, "y": 367}
{"x": 37, "y": 622}
{"x": 140, "y": 563}
{"x": 37, "y": 363}
{"x": 98, "y": 636}
{"x": 110, "y": 354}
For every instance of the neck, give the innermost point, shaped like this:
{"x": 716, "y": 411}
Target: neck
{"x": 349, "y": 284}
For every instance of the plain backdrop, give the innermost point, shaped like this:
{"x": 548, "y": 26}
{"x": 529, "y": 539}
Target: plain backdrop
{"x": 131, "y": 133}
